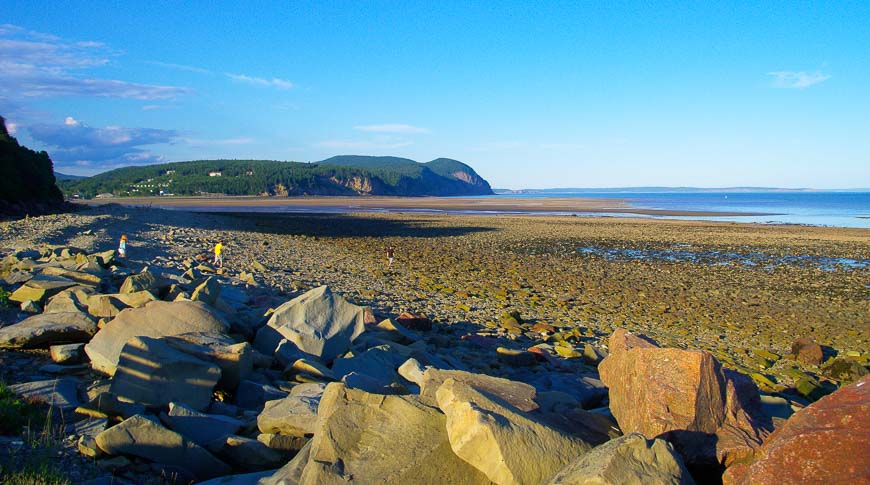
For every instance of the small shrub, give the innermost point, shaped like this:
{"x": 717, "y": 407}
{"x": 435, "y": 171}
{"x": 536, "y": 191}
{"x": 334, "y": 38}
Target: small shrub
{"x": 4, "y": 297}
{"x": 15, "y": 414}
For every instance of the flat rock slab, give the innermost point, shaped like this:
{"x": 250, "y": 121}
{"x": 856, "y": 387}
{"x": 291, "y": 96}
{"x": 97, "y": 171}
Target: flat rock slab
{"x": 380, "y": 439}
{"x": 627, "y": 459}
{"x": 236, "y": 360}
{"x": 156, "y": 319}
{"x": 153, "y": 373}
{"x": 145, "y": 438}
{"x": 60, "y": 394}
{"x": 517, "y": 394}
{"x": 40, "y": 331}
{"x": 41, "y": 287}
{"x": 504, "y": 444}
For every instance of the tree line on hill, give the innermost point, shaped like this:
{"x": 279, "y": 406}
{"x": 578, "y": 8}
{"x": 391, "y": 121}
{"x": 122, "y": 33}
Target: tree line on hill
{"x": 27, "y": 182}
{"x": 344, "y": 175}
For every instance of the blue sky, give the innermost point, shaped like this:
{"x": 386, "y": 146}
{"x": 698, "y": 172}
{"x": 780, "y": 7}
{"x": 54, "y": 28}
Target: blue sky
{"x": 532, "y": 95}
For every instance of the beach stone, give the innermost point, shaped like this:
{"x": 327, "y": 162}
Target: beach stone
{"x": 199, "y": 427}
{"x": 31, "y": 306}
{"x": 412, "y": 321}
{"x": 247, "y": 453}
{"x": 381, "y": 439}
{"x": 146, "y": 280}
{"x": 236, "y": 360}
{"x": 68, "y": 301}
{"x": 241, "y": 479}
{"x": 61, "y": 395}
{"x": 41, "y": 331}
{"x": 146, "y": 438}
{"x": 254, "y": 395}
{"x": 807, "y": 351}
{"x": 40, "y": 287}
{"x": 412, "y": 371}
{"x": 67, "y": 354}
{"x": 517, "y": 358}
{"x": 627, "y": 459}
{"x": 291, "y": 473}
{"x": 207, "y": 292}
{"x": 844, "y": 369}
{"x": 294, "y": 415}
{"x": 517, "y": 394}
{"x": 282, "y": 442}
{"x": 711, "y": 415}
{"x": 136, "y": 299}
{"x": 104, "y": 306}
{"x": 378, "y": 364}
{"x": 311, "y": 367}
{"x": 828, "y": 441}
{"x": 318, "y": 322}
{"x": 107, "y": 404}
{"x": 397, "y": 332}
{"x": 495, "y": 439}
{"x": 152, "y": 372}
{"x": 156, "y": 319}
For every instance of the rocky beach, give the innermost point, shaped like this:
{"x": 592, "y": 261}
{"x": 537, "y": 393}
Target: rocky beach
{"x": 698, "y": 347}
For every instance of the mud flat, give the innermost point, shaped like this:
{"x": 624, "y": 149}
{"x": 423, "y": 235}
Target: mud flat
{"x": 743, "y": 291}
{"x": 400, "y": 204}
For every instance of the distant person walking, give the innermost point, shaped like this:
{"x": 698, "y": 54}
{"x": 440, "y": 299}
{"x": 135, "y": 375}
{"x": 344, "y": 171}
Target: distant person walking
{"x": 218, "y": 254}
{"x": 122, "y": 246}
{"x": 390, "y": 253}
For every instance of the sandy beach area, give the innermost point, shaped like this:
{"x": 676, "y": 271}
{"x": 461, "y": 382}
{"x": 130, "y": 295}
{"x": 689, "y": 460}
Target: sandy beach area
{"x": 398, "y": 204}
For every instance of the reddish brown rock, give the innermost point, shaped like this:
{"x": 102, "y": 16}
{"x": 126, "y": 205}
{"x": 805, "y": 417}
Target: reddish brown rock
{"x": 414, "y": 322}
{"x": 826, "y": 442}
{"x": 685, "y": 396}
{"x": 807, "y": 351}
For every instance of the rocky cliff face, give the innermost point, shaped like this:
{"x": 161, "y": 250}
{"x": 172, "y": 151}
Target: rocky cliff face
{"x": 27, "y": 183}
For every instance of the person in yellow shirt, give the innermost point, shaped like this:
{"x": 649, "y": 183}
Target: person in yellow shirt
{"x": 218, "y": 254}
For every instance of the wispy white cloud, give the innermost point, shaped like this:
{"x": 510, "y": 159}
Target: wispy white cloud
{"x": 33, "y": 64}
{"x": 180, "y": 67}
{"x": 11, "y": 127}
{"x": 259, "y": 81}
{"x": 797, "y": 79}
{"x": 391, "y": 128}
{"x": 74, "y": 143}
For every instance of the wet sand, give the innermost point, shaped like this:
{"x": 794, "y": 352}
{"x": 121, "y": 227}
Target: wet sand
{"x": 399, "y": 204}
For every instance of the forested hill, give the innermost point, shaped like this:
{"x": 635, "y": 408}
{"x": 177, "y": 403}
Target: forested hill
{"x": 27, "y": 184}
{"x": 341, "y": 175}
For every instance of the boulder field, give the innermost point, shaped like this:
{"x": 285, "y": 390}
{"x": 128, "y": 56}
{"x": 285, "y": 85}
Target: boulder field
{"x": 213, "y": 380}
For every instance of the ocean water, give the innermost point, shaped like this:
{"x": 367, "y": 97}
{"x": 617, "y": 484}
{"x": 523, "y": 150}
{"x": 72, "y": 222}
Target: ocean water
{"x": 836, "y": 209}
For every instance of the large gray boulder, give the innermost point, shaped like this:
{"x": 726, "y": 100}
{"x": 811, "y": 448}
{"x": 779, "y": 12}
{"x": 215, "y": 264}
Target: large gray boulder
{"x": 380, "y": 439}
{"x": 156, "y": 319}
{"x": 506, "y": 445}
{"x": 627, "y": 459}
{"x": 319, "y": 323}
{"x": 146, "y": 438}
{"x": 42, "y": 331}
{"x": 152, "y": 372}
{"x": 294, "y": 415}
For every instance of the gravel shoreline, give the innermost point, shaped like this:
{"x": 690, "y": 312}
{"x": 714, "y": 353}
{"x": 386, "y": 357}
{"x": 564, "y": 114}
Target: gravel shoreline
{"x": 751, "y": 288}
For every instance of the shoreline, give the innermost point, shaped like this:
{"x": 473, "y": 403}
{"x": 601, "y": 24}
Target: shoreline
{"x": 549, "y": 206}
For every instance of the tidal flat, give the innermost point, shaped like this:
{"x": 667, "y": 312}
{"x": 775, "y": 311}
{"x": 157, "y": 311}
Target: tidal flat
{"x": 745, "y": 292}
